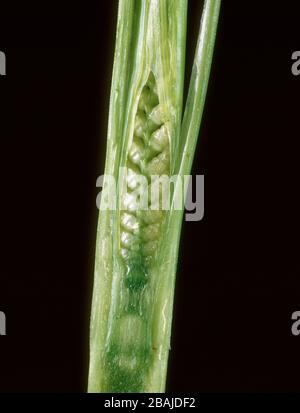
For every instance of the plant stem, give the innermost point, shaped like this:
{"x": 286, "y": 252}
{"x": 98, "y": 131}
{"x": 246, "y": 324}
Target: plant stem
{"x": 134, "y": 284}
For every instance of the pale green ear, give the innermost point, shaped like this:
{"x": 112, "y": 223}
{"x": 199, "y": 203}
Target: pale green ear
{"x": 136, "y": 250}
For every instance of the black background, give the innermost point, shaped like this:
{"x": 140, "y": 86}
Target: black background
{"x": 238, "y": 275}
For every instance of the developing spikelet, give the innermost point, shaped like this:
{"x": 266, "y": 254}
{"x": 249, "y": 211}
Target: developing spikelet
{"x": 149, "y": 154}
{"x": 130, "y": 350}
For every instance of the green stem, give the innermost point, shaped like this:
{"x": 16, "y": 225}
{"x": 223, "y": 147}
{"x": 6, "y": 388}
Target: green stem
{"x": 135, "y": 263}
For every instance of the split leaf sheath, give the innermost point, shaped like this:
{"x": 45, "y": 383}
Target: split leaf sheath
{"x": 136, "y": 250}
